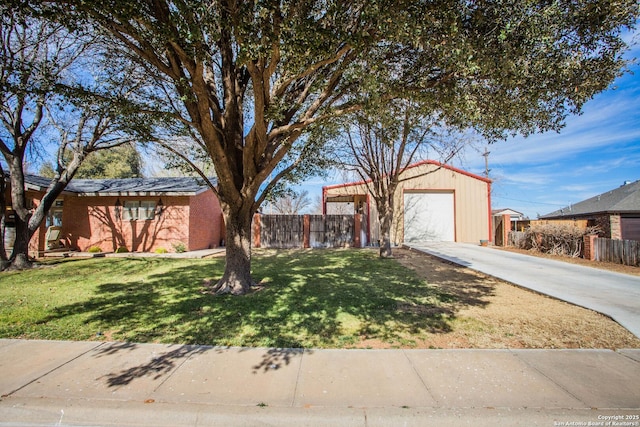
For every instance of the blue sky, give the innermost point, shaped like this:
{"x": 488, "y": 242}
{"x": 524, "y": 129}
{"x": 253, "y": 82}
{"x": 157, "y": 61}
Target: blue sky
{"x": 595, "y": 152}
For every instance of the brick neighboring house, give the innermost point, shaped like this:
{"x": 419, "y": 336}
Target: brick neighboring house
{"x": 616, "y": 212}
{"x": 140, "y": 214}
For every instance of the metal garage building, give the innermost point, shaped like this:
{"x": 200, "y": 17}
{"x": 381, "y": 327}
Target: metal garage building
{"x": 434, "y": 202}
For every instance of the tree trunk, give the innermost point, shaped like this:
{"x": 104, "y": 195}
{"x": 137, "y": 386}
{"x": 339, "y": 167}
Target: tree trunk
{"x": 4, "y": 260}
{"x": 29, "y": 220}
{"x": 237, "y": 270}
{"x": 383, "y": 197}
{"x": 19, "y": 259}
{"x": 385, "y": 216}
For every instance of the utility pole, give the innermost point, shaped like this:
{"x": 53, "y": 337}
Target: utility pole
{"x": 486, "y": 161}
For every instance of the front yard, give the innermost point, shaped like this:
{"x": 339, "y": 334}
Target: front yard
{"x": 311, "y": 298}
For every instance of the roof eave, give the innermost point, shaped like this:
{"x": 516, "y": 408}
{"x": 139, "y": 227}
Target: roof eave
{"x": 138, "y": 193}
{"x": 415, "y": 165}
{"x": 584, "y": 214}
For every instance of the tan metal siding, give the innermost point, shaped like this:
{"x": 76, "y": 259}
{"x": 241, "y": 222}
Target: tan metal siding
{"x": 471, "y": 201}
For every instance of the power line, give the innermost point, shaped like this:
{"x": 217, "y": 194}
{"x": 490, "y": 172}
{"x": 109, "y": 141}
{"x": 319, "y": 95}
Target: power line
{"x": 529, "y": 201}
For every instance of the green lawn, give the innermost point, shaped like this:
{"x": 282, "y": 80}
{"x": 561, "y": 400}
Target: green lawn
{"x": 311, "y": 298}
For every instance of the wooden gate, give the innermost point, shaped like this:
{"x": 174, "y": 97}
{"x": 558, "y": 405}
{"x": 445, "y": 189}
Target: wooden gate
{"x": 308, "y": 231}
{"x": 331, "y": 231}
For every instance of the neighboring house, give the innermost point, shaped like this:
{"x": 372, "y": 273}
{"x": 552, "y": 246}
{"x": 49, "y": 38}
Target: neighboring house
{"x": 504, "y": 221}
{"x": 139, "y": 214}
{"x": 616, "y": 213}
{"x": 434, "y": 202}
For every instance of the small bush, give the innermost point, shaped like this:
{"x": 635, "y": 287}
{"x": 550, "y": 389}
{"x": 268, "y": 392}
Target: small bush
{"x": 161, "y": 251}
{"x": 94, "y": 249}
{"x": 122, "y": 250}
{"x": 179, "y": 247}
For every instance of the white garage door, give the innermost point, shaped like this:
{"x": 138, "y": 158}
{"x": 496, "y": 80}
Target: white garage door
{"x": 428, "y": 217}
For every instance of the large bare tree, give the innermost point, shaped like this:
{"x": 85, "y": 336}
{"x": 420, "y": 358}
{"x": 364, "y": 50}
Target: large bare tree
{"x": 378, "y": 147}
{"x": 249, "y": 78}
{"x": 43, "y": 86}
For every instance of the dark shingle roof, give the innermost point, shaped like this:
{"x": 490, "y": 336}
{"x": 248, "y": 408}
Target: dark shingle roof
{"x": 177, "y": 186}
{"x": 625, "y": 199}
{"x": 35, "y": 182}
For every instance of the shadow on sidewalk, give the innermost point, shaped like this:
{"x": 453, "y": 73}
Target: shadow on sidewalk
{"x": 156, "y": 368}
{"x": 163, "y": 365}
{"x": 276, "y": 358}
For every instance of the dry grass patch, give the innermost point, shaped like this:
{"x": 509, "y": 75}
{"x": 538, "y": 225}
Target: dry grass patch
{"x": 491, "y": 313}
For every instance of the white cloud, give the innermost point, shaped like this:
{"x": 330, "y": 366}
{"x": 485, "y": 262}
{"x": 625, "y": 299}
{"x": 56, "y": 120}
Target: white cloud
{"x": 576, "y": 188}
{"x": 531, "y": 178}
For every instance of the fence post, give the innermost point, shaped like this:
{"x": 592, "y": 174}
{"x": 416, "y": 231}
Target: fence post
{"x": 506, "y": 228}
{"x": 256, "y": 230}
{"x": 306, "y": 231}
{"x": 356, "y": 231}
{"x": 589, "y": 246}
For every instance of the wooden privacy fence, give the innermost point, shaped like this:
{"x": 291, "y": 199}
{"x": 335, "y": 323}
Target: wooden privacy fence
{"x": 580, "y": 223}
{"x": 619, "y": 251}
{"x": 308, "y": 231}
{"x": 278, "y": 231}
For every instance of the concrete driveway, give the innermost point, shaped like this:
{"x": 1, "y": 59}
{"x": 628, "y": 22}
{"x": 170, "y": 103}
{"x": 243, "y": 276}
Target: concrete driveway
{"x": 613, "y": 294}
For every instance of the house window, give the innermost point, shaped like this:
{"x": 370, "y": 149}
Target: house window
{"x": 54, "y": 217}
{"x": 139, "y": 210}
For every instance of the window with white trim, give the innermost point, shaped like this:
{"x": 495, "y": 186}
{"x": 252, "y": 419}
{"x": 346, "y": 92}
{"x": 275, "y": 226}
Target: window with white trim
{"x": 139, "y": 210}
{"x": 54, "y": 217}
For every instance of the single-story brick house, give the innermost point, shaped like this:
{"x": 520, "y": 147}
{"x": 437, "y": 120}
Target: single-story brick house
{"x": 434, "y": 202}
{"x": 616, "y": 213}
{"x": 139, "y": 214}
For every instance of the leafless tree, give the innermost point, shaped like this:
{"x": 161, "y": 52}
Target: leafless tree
{"x": 379, "y": 149}
{"x": 290, "y": 203}
{"x": 43, "y": 94}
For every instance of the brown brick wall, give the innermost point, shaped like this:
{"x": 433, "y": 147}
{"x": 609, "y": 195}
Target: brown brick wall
{"x": 92, "y": 221}
{"x": 195, "y": 221}
{"x": 589, "y": 247}
{"x": 616, "y": 230}
{"x": 205, "y": 221}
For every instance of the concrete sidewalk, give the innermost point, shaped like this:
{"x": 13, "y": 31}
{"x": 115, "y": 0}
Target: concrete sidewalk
{"x": 613, "y": 294}
{"x": 53, "y": 383}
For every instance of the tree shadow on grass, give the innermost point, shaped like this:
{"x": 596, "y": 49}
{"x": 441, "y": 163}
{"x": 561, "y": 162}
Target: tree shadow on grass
{"x": 319, "y": 298}
{"x": 464, "y": 287}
